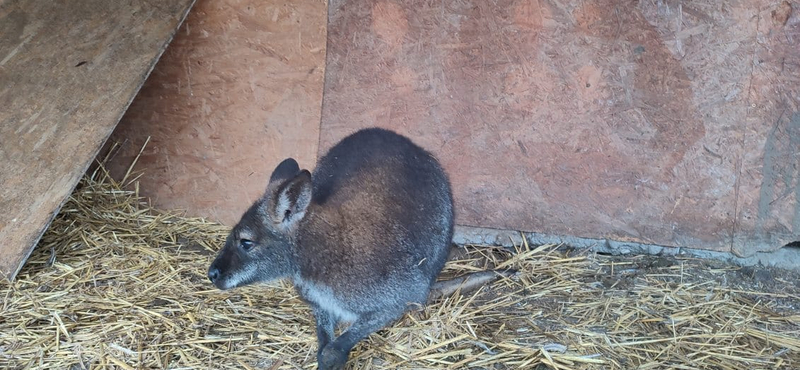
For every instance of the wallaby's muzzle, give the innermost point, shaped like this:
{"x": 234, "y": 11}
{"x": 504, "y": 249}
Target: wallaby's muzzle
{"x": 221, "y": 273}
{"x": 213, "y": 274}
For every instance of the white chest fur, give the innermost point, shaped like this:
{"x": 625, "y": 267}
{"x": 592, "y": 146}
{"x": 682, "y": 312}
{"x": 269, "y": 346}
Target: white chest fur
{"x": 324, "y": 298}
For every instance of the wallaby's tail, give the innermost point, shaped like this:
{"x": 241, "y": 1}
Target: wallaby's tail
{"x": 467, "y": 283}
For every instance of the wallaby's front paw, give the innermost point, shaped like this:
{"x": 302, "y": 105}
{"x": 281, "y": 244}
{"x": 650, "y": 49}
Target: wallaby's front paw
{"x": 331, "y": 358}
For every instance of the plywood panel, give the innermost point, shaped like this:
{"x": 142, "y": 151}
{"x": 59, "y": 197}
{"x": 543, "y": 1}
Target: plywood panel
{"x": 768, "y": 210}
{"x": 68, "y": 70}
{"x": 611, "y": 119}
{"x": 238, "y": 90}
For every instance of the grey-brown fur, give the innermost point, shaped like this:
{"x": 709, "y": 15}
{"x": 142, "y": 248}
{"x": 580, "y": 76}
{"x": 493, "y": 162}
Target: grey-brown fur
{"x": 361, "y": 239}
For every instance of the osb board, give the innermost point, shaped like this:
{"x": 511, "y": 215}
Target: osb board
{"x": 68, "y": 71}
{"x": 637, "y": 121}
{"x": 768, "y": 208}
{"x": 238, "y": 90}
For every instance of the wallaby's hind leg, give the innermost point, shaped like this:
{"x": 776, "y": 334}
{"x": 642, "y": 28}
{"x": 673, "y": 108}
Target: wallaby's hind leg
{"x": 335, "y": 354}
{"x": 325, "y": 326}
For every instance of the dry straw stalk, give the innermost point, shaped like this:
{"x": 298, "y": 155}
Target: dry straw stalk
{"x": 115, "y": 284}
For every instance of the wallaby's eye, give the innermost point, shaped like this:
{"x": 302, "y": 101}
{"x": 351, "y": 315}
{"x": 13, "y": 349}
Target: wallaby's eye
{"x": 246, "y": 244}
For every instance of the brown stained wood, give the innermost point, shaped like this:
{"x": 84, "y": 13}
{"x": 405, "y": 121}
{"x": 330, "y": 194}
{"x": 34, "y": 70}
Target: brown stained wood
{"x": 768, "y": 210}
{"x": 634, "y": 121}
{"x": 238, "y": 90}
{"x": 68, "y": 71}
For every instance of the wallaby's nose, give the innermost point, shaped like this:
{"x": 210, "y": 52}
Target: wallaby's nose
{"x": 213, "y": 274}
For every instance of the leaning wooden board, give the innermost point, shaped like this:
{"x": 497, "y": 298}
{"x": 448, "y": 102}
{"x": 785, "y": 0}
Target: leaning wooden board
{"x": 68, "y": 71}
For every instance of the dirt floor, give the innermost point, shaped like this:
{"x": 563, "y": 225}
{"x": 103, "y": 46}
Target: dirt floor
{"x": 115, "y": 284}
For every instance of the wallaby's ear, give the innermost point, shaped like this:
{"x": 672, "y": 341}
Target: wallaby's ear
{"x": 284, "y": 171}
{"x": 288, "y": 203}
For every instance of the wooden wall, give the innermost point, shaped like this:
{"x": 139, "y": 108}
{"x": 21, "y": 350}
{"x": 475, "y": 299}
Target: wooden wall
{"x": 238, "y": 90}
{"x": 664, "y": 122}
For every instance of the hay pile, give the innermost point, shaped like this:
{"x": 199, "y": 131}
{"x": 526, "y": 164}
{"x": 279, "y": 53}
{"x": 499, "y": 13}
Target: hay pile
{"x": 114, "y": 284}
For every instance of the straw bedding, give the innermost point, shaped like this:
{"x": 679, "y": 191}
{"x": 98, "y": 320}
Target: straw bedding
{"x": 115, "y": 284}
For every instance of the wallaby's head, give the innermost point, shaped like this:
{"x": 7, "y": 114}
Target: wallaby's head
{"x": 260, "y": 246}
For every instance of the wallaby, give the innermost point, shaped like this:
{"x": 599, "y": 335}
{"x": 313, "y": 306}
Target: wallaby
{"x": 362, "y": 239}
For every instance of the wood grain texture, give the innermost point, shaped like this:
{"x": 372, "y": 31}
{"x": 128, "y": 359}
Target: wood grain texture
{"x": 630, "y": 121}
{"x": 238, "y": 90}
{"x": 68, "y": 71}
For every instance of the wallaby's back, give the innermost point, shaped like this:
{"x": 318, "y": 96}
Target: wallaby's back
{"x": 380, "y": 221}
